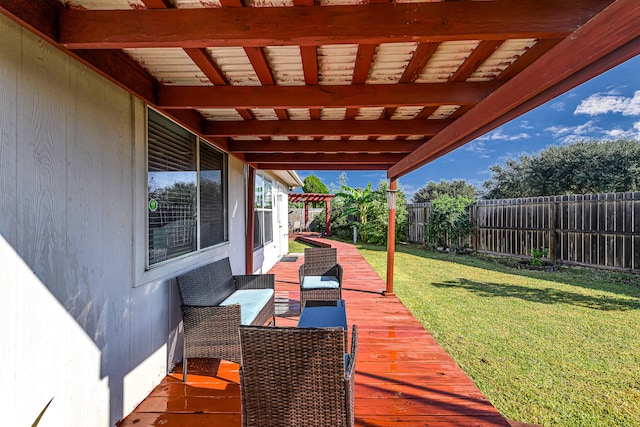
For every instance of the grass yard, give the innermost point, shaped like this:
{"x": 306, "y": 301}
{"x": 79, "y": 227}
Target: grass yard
{"x": 555, "y": 349}
{"x": 297, "y": 247}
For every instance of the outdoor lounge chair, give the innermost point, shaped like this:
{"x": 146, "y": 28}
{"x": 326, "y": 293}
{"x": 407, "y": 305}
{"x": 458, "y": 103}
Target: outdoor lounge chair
{"x": 292, "y": 377}
{"x": 320, "y": 275}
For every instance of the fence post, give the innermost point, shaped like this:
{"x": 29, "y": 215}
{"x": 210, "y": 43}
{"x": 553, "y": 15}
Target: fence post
{"x": 424, "y": 225}
{"x": 553, "y": 229}
{"x": 474, "y": 228}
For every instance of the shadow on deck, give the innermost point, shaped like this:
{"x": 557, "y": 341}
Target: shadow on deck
{"x": 403, "y": 377}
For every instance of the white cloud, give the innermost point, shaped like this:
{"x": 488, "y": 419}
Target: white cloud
{"x": 525, "y": 125}
{"x": 500, "y": 135}
{"x": 617, "y": 133}
{"x": 557, "y": 106}
{"x": 603, "y": 103}
{"x": 569, "y": 134}
{"x": 478, "y": 147}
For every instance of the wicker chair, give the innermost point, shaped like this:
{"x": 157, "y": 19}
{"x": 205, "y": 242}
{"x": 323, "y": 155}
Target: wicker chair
{"x": 210, "y": 321}
{"x": 296, "y": 377}
{"x": 320, "y": 275}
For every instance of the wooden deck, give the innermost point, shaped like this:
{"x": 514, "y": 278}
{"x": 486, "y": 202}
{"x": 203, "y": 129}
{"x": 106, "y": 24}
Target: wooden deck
{"x": 403, "y": 377}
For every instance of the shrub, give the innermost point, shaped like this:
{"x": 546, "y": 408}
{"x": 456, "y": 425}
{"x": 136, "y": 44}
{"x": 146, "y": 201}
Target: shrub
{"x": 537, "y": 255}
{"x": 448, "y": 222}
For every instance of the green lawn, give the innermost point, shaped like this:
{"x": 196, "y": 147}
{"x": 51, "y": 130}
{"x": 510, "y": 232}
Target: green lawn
{"x": 556, "y": 349}
{"x": 297, "y": 247}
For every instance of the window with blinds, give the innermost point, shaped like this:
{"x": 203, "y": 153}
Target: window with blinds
{"x": 186, "y": 197}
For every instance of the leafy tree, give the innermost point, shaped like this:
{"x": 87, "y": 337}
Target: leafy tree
{"x": 339, "y": 220}
{"x": 376, "y": 228}
{"x": 580, "y": 168}
{"x": 431, "y": 191}
{"x": 448, "y": 221}
{"x": 312, "y": 184}
{"x": 358, "y": 201}
{"x": 344, "y": 210}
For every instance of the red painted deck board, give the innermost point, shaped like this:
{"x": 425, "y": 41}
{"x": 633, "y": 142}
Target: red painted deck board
{"x": 403, "y": 377}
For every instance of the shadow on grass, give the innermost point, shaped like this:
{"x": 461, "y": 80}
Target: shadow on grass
{"x": 543, "y": 296}
{"x": 620, "y": 283}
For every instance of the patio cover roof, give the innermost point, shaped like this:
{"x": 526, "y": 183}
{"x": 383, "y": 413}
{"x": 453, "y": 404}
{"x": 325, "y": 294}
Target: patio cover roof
{"x": 340, "y": 84}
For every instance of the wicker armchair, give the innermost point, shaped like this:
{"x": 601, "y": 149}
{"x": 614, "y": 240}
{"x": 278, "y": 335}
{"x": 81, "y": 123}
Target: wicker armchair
{"x": 320, "y": 275}
{"x": 214, "y": 305}
{"x": 296, "y": 377}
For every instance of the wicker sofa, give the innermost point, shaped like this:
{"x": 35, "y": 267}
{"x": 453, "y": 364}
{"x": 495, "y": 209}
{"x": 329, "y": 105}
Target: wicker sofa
{"x": 215, "y": 303}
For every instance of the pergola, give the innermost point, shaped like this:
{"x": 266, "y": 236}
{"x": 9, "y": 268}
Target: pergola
{"x": 314, "y": 198}
{"x": 340, "y": 84}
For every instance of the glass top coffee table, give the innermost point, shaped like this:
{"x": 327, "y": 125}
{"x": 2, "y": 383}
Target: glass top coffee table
{"x": 323, "y": 314}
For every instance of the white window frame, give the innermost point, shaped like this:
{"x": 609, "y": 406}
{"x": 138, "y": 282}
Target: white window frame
{"x": 258, "y": 209}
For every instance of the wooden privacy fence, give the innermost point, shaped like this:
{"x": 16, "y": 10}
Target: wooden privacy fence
{"x": 595, "y": 230}
{"x": 417, "y": 214}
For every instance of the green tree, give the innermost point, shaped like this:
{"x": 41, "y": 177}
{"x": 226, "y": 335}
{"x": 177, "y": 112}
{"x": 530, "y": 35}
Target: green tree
{"x": 432, "y": 190}
{"x": 345, "y": 214}
{"x": 312, "y": 184}
{"x": 377, "y": 224}
{"x": 580, "y": 168}
{"x": 358, "y": 201}
{"x": 356, "y": 204}
{"x": 448, "y": 221}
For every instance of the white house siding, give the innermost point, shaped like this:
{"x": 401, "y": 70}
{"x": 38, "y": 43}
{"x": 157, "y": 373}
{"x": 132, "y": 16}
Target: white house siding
{"x": 81, "y": 321}
{"x": 266, "y": 257}
{"x": 73, "y": 326}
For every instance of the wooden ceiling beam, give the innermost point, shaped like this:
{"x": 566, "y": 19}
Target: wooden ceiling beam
{"x": 317, "y": 166}
{"x": 421, "y": 56}
{"x": 339, "y": 146}
{"x": 364, "y": 57}
{"x": 313, "y": 26}
{"x": 473, "y": 61}
{"x": 208, "y": 66}
{"x": 309, "y": 55}
{"x": 334, "y": 159}
{"x": 324, "y": 127}
{"x": 458, "y": 93}
{"x": 609, "y": 39}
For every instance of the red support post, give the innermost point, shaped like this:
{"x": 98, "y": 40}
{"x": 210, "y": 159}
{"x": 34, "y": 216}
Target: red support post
{"x": 391, "y": 235}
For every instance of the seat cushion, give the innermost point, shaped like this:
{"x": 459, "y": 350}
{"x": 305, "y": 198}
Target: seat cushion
{"x": 319, "y": 282}
{"x": 251, "y": 302}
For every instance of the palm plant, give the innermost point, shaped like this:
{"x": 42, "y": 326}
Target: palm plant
{"x": 357, "y": 201}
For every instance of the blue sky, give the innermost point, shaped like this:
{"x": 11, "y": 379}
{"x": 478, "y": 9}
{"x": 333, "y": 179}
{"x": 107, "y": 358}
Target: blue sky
{"x": 606, "y": 107}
